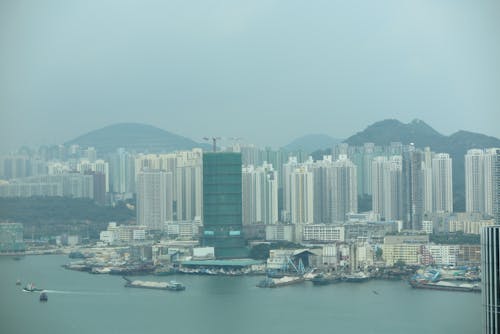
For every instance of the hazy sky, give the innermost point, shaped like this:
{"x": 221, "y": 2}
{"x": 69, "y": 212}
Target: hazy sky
{"x": 267, "y": 71}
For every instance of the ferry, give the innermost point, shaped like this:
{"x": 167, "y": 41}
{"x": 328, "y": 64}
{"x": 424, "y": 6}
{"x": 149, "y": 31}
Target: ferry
{"x": 30, "y": 287}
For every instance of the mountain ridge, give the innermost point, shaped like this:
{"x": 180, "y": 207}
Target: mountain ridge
{"x": 134, "y": 137}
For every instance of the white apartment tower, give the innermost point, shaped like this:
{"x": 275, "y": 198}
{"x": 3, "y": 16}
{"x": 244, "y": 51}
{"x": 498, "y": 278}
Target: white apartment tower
{"x": 260, "y": 194}
{"x": 188, "y": 185}
{"x": 387, "y": 195}
{"x": 154, "y": 198}
{"x": 301, "y": 196}
{"x": 474, "y": 181}
{"x": 345, "y": 194}
{"x": 442, "y": 186}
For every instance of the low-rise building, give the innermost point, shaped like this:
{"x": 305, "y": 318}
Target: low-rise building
{"x": 323, "y": 233}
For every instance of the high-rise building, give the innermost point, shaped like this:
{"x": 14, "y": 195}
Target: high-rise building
{"x": 260, "y": 194}
{"x": 442, "y": 186}
{"x": 188, "y": 181}
{"x": 122, "y": 172}
{"x": 490, "y": 278}
{"x": 286, "y": 172}
{"x": 323, "y": 190}
{"x": 301, "y": 196}
{"x": 491, "y": 183}
{"x": 154, "y": 198}
{"x": 413, "y": 188}
{"x": 387, "y": 196}
{"x": 345, "y": 194}
{"x": 222, "y": 209}
{"x": 474, "y": 181}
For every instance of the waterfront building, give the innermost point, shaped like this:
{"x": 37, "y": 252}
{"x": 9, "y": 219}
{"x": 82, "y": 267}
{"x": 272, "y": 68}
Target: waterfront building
{"x": 222, "y": 209}
{"x": 408, "y": 253}
{"x": 490, "y": 278}
{"x": 154, "y": 198}
{"x": 11, "y": 238}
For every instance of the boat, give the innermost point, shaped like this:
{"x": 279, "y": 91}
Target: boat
{"x": 172, "y": 285}
{"x": 356, "y": 277}
{"x": 44, "y": 297}
{"x": 321, "y": 279}
{"x": 175, "y": 286}
{"x": 444, "y": 285}
{"x": 277, "y": 282}
{"x": 18, "y": 282}
{"x": 30, "y": 287}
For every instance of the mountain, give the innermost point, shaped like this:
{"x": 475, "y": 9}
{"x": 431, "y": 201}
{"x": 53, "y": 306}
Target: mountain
{"x": 312, "y": 142}
{"x": 134, "y": 137}
{"x": 391, "y": 130}
{"x": 422, "y": 135}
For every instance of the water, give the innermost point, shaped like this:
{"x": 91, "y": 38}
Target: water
{"x": 84, "y": 303}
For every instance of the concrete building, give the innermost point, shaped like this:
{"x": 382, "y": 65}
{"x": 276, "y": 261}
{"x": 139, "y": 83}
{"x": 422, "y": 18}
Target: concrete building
{"x": 474, "y": 181}
{"x": 301, "y": 196}
{"x": 260, "y": 195}
{"x": 188, "y": 188}
{"x": 442, "y": 184}
{"x": 323, "y": 233}
{"x": 345, "y": 195}
{"x": 154, "y": 198}
{"x": 280, "y": 232}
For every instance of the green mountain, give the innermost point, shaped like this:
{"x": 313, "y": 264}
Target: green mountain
{"x": 422, "y": 135}
{"x": 134, "y": 137}
{"x": 312, "y": 142}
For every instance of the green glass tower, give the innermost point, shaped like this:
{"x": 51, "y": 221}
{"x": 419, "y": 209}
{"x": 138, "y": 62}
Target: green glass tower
{"x": 222, "y": 210}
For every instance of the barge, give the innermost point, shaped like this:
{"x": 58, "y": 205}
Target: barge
{"x": 172, "y": 285}
{"x": 277, "y": 282}
{"x": 444, "y": 285}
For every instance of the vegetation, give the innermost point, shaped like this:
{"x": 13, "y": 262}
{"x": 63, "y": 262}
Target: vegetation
{"x": 261, "y": 251}
{"x": 47, "y": 216}
{"x": 457, "y": 238}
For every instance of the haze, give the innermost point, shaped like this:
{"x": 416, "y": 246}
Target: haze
{"x": 266, "y": 71}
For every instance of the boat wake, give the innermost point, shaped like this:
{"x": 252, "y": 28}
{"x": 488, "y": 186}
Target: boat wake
{"x": 66, "y": 292}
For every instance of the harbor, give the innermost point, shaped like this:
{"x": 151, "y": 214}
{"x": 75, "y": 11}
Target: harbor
{"x": 78, "y": 298}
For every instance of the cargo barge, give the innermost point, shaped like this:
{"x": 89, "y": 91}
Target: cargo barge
{"x": 444, "y": 285}
{"x": 278, "y": 282}
{"x": 172, "y": 285}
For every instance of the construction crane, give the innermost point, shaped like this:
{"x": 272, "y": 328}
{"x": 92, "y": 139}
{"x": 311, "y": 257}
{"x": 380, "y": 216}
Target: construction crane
{"x": 214, "y": 141}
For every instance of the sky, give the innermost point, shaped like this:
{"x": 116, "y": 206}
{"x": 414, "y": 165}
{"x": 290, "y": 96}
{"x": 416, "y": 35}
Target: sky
{"x": 265, "y": 71}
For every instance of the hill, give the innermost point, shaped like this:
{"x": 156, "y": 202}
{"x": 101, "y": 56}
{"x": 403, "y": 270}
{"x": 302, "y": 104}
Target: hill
{"x": 134, "y": 137}
{"x": 422, "y": 135}
{"x": 309, "y": 143}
